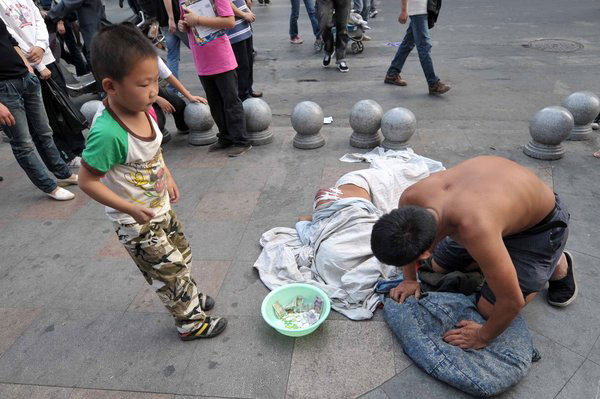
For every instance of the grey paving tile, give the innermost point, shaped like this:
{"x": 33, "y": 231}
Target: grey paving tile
{"x": 248, "y": 360}
{"x": 13, "y": 322}
{"x": 242, "y": 291}
{"x": 27, "y": 238}
{"x": 142, "y": 353}
{"x": 104, "y": 394}
{"x": 233, "y": 206}
{"x": 100, "y": 284}
{"x": 401, "y": 360}
{"x": 16, "y": 391}
{"x": 412, "y": 382}
{"x": 325, "y": 363}
{"x": 375, "y": 394}
{"x": 213, "y": 240}
{"x": 249, "y": 248}
{"x": 209, "y": 276}
{"x": 587, "y": 274}
{"x": 576, "y": 327}
{"x": 584, "y": 384}
{"x": 240, "y": 179}
{"x": 57, "y": 347}
{"x": 192, "y": 184}
{"x": 548, "y": 376}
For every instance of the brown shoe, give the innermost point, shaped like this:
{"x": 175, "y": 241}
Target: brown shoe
{"x": 394, "y": 80}
{"x": 256, "y": 94}
{"x": 438, "y": 88}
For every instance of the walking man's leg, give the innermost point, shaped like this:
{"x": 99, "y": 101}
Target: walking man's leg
{"x": 423, "y": 43}
{"x": 325, "y": 10}
{"x": 393, "y": 74}
{"x": 342, "y": 11}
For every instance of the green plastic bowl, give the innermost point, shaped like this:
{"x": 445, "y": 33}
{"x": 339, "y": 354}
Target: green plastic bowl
{"x": 284, "y": 295}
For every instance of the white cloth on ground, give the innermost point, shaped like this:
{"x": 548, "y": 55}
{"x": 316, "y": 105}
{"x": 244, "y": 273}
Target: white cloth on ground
{"x": 333, "y": 252}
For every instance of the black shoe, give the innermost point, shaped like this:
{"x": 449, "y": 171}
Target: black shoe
{"x": 218, "y": 146}
{"x": 238, "y": 150}
{"x": 564, "y": 291}
{"x": 210, "y": 328}
{"x": 343, "y": 67}
{"x": 327, "y": 59}
{"x": 206, "y": 302}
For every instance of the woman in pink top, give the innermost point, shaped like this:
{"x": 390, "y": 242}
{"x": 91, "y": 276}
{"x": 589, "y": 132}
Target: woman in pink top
{"x": 215, "y": 65}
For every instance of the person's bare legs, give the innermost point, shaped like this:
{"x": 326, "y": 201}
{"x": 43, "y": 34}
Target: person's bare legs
{"x": 561, "y": 269}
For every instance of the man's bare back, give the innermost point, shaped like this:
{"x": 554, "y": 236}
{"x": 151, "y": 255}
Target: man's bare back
{"x": 485, "y": 190}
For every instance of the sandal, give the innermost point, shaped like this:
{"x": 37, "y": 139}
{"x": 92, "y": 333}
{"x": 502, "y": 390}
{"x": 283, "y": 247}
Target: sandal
{"x": 210, "y": 328}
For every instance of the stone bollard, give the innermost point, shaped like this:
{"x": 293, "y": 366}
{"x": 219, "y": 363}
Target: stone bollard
{"x": 307, "y": 120}
{"x": 365, "y": 120}
{"x": 548, "y": 128}
{"x": 584, "y": 106}
{"x": 89, "y": 109}
{"x": 258, "y": 121}
{"x": 397, "y": 126}
{"x": 197, "y": 117}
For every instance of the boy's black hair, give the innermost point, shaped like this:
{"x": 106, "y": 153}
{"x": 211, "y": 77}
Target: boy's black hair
{"x": 399, "y": 237}
{"x": 116, "y": 48}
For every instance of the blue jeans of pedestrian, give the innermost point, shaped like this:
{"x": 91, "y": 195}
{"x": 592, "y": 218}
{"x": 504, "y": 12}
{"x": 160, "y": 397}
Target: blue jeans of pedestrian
{"x": 23, "y": 98}
{"x": 310, "y": 9}
{"x": 174, "y": 41}
{"x": 416, "y": 34}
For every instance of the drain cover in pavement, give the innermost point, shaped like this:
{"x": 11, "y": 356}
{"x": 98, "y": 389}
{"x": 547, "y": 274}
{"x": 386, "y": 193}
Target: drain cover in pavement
{"x": 554, "y": 45}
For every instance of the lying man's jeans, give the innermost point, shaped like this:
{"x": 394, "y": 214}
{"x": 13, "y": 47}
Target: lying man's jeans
{"x": 420, "y": 326}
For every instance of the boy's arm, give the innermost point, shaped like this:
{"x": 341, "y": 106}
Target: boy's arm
{"x": 91, "y": 185}
{"x": 181, "y": 88}
{"x": 409, "y": 286}
{"x": 171, "y": 186}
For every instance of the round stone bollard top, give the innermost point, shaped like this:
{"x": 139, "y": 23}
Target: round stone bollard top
{"x": 583, "y": 105}
{"x": 551, "y": 125}
{"x": 197, "y": 117}
{"x": 258, "y": 114}
{"x": 307, "y": 118}
{"x": 89, "y": 109}
{"x": 365, "y": 117}
{"x": 398, "y": 125}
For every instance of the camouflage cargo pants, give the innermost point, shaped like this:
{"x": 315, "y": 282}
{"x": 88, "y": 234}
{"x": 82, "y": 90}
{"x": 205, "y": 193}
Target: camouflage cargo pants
{"x": 163, "y": 255}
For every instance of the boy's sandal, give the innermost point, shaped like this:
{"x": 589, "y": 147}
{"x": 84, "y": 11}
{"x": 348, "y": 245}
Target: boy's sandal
{"x": 206, "y": 302}
{"x": 210, "y": 328}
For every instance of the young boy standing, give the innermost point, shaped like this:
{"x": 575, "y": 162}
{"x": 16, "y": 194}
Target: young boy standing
{"x": 123, "y": 168}
{"x": 215, "y": 65}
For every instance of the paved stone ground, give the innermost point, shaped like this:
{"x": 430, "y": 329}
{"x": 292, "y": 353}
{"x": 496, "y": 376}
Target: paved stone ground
{"x": 78, "y": 321}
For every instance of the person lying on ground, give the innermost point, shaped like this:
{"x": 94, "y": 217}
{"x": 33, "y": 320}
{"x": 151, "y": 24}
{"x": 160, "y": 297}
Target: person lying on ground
{"x": 488, "y": 213}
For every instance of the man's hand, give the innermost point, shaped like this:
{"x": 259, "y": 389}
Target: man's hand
{"x": 404, "y": 290}
{"x": 141, "y": 214}
{"x": 165, "y": 105}
{"x": 60, "y": 27}
{"x": 197, "y": 99}
{"x": 466, "y": 336}
{"x": 249, "y": 16}
{"x": 172, "y": 189}
{"x": 403, "y": 17}
{"x": 172, "y": 25}
{"x": 6, "y": 118}
{"x": 45, "y": 74}
{"x": 35, "y": 55}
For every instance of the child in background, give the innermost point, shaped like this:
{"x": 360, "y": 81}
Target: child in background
{"x": 123, "y": 168}
{"x": 215, "y": 65}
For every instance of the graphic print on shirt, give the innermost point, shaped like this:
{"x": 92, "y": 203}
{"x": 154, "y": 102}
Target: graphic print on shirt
{"x": 151, "y": 179}
{"x": 21, "y": 13}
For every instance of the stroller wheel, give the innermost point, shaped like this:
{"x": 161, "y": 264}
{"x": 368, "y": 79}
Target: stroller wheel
{"x": 361, "y": 47}
{"x": 355, "y": 48}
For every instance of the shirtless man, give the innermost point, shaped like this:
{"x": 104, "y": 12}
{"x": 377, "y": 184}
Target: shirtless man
{"x": 486, "y": 212}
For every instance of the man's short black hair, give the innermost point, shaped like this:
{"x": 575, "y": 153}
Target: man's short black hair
{"x": 116, "y": 49}
{"x": 399, "y": 237}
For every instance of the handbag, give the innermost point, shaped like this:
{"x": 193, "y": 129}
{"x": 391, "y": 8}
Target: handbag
{"x": 433, "y": 11}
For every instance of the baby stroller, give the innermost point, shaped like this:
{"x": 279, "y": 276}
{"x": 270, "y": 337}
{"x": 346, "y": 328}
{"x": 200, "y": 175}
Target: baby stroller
{"x": 356, "y": 32}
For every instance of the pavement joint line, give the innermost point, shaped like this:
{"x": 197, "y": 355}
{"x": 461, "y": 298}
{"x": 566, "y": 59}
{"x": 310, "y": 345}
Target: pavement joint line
{"x": 570, "y": 378}
{"x": 559, "y": 344}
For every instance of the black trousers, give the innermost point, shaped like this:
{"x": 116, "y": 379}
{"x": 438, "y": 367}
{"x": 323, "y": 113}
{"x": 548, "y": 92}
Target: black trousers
{"x": 244, "y": 56}
{"x": 327, "y": 19}
{"x": 74, "y": 55}
{"x": 225, "y": 107}
{"x": 179, "y": 106}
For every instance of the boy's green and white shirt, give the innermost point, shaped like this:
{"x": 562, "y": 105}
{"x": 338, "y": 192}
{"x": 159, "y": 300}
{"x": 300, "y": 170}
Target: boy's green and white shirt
{"x": 131, "y": 166}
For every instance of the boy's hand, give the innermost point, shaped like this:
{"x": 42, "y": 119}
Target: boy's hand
{"x": 249, "y": 16}
{"x": 141, "y": 214}
{"x": 172, "y": 189}
{"x": 165, "y": 105}
{"x": 6, "y": 118}
{"x": 45, "y": 74}
{"x": 197, "y": 99}
{"x": 35, "y": 55}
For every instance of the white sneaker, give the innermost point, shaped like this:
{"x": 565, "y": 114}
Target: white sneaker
{"x": 72, "y": 180}
{"x": 74, "y": 163}
{"x": 60, "y": 194}
{"x": 595, "y": 126}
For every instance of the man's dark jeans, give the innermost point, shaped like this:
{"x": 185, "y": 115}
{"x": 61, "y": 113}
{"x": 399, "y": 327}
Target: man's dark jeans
{"x": 310, "y": 10}
{"x": 243, "y": 54}
{"x": 23, "y": 98}
{"x": 327, "y": 19}
{"x": 225, "y": 107}
{"x": 417, "y": 33}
